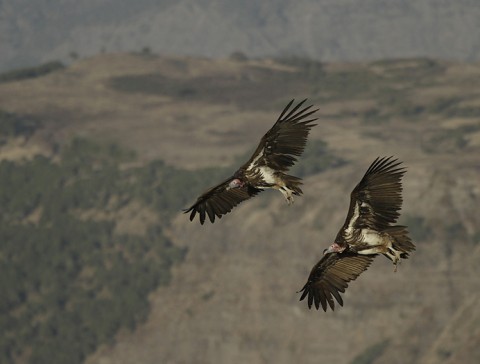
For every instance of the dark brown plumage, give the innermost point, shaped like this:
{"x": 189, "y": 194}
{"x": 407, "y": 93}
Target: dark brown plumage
{"x": 275, "y": 154}
{"x": 374, "y": 205}
{"x": 330, "y": 277}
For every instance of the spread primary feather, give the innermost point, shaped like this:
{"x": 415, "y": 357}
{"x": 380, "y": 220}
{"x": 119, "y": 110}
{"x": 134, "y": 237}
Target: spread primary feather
{"x": 368, "y": 230}
{"x": 275, "y": 154}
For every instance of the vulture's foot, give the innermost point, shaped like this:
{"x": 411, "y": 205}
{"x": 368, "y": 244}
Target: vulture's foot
{"x": 395, "y": 256}
{"x": 287, "y": 193}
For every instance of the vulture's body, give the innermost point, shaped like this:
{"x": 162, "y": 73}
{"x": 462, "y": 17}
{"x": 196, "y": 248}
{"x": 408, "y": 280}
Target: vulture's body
{"x": 368, "y": 230}
{"x": 266, "y": 168}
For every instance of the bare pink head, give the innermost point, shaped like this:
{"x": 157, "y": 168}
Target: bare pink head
{"x": 334, "y": 248}
{"x": 235, "y": 183}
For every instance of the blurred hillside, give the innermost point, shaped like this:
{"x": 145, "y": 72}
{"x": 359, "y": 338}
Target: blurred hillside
{"x": 328, "y": 30}
{"x": 98, "y": 158}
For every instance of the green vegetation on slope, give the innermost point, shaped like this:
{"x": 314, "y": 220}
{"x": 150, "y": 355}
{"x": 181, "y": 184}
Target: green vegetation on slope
{"x": 12, "y": 125}
{"x": 70, "y": 282}
{"x": 388, "y": 83}
{"x": 31, "y": 72}
{"x": 247, "y": 88}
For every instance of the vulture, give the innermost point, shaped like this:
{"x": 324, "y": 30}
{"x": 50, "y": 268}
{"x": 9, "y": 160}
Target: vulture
{"x": 368, "y": 230}
{"x": 266, "y": 168}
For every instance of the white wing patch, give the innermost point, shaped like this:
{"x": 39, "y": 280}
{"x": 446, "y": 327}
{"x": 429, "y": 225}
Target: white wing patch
{"x": 375, "y": 240}
{"x": 268, "y": 175}
{"x": 371, "y": 237}
{"x": 353, "y": 219}
{"x": 255, "y": 160}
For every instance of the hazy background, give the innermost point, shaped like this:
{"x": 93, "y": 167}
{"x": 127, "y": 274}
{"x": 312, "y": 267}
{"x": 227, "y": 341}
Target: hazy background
{"x": 115, "y": 115}
{"x": 329, "y": 30}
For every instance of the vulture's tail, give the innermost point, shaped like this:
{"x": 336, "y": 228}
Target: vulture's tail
{"x": 401, "y": 240}
{"x": 293, "y": 184}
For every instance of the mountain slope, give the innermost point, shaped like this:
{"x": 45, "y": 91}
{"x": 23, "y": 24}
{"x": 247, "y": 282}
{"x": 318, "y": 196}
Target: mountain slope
{"x": 233, "y": 298}
{"x": 34, "y": 32}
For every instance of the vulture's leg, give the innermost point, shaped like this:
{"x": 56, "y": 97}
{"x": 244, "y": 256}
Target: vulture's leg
{"x": 394, "y": 255}
{"x": 287, "y": 193}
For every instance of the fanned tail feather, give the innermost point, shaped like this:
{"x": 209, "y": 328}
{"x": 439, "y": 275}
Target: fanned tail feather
{"x": 293, "y": 183}
{"x": 401, "y": 240}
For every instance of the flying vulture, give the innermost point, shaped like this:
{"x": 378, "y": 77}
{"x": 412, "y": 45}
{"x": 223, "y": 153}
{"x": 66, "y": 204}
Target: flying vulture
{"x": 368, "y": 230}
{"x": 266, "y": 168}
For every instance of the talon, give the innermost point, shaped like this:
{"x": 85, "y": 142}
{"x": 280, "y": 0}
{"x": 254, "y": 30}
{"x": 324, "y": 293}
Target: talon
{"x": 287, "y": 193}
{"x": 396, "y": 262}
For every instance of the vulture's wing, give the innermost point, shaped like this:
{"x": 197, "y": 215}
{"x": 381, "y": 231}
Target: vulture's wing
{"x": 277, "y": 150}
{"x": 331, "y": 275}
{"x": 218, "y": 201}
{"x": 285, "y": 140}
{"x": 376, "y": 200}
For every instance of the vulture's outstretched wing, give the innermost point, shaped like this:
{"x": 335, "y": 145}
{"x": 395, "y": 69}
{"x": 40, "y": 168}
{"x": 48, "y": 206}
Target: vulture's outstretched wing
{"x": 376, "y": 200}
{"x": 285, "y": 140}
{"x": 277, "y": 150}
{"x": 218, "y": 201}
{"x": 331, "y": 275}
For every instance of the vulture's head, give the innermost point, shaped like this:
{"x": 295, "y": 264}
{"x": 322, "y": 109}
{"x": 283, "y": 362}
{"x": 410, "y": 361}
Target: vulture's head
{"x": 235, "y": 183}
{"x": 334, "y": 248}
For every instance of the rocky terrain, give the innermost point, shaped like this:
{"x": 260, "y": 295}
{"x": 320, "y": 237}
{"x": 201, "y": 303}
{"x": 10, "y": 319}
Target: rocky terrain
{"x": 233, "y": 299}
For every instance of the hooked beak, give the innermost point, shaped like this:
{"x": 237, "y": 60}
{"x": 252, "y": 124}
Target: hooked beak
{"x": 329, "y": 250}
{"x": 334, "y": 248}
{"x": 235, "y": 183}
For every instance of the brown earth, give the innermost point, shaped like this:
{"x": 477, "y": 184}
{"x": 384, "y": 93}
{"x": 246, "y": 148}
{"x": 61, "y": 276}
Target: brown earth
{"x": 234, "y": 299}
